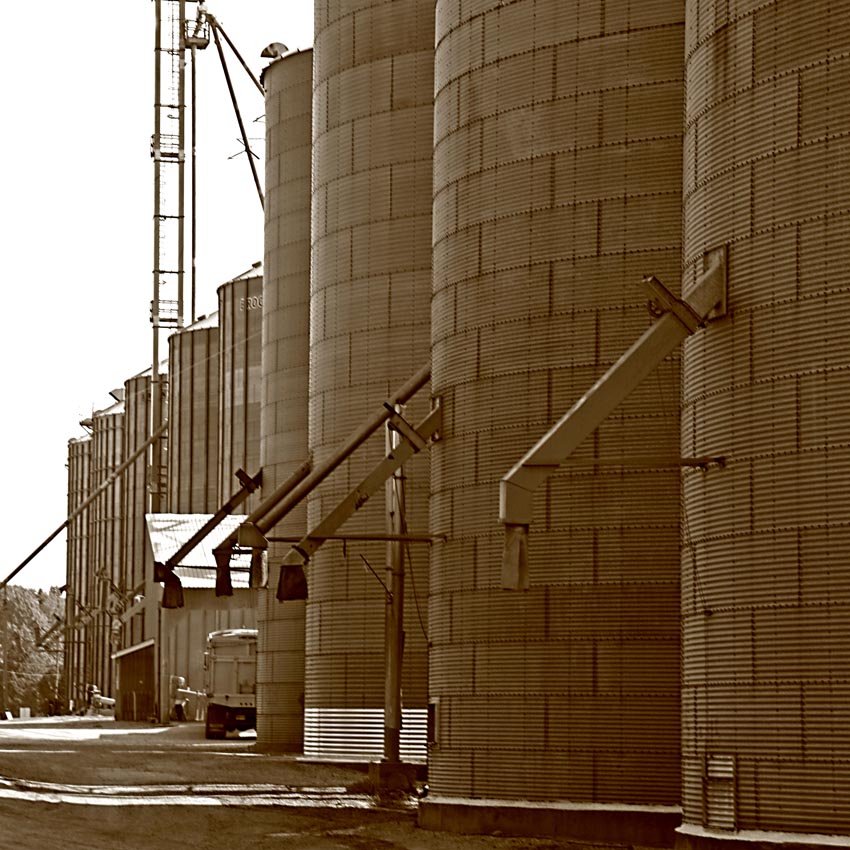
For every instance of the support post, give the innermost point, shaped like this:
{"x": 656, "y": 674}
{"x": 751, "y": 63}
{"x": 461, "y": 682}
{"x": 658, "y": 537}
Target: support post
{"x": 394, "y": 609}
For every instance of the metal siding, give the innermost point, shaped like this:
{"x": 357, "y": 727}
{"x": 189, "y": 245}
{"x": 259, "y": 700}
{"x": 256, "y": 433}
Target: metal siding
{"x": 240, "y": 303}
{"x": 136, "y": 493}
{"x": 77, "y": 567}
{"x": 557, "y": 186}
{"x": 193, "y": 421}
{"x": 358, "y": 734}
{"x": 370, "y": 326}
{"x": 285, "y": 384}
{"x": 106, "y": 550}
{"x": 765, "y": 603}
{"x": 136, "y": 697}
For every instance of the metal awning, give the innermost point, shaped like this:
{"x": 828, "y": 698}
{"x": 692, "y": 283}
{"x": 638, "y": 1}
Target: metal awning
{"x": 168, "y": 532}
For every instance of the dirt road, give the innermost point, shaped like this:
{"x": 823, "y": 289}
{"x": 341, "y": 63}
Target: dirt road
{"x": 75, "y": 784}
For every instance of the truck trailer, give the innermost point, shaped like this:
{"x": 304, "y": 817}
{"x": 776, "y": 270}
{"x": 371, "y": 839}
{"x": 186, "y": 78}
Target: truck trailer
{"x": 230, "y": 671}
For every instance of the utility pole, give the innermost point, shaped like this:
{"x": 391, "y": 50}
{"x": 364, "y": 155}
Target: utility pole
{"x": 394, "y": 614}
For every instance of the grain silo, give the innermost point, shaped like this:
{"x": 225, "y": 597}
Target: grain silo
{"x": 765, "y": 585}
{"x": 285, "y": 370}
{"x": 77, "y": 559}
{"x": 557, "y": 186}
{"x": 370, "y": 294}
{"x": 136, "y": 491}
{"x": 105, "y": 543}
{"x": 240, "y": 308}
{"x": 193, "y": 422}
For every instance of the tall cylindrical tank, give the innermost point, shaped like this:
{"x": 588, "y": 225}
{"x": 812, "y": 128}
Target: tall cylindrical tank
{"x": 557, "y": 186}
{"x": 765, "y": 584}
{"x": 106, "y": 550}
{"x": 240, "y": 308}
{"x": 371, "y": 238}
{"x": 193, "y": 422}
{"x": 136, "y": 496}
{"x": 77, "y": 560}
{"x": 285, "y": 370}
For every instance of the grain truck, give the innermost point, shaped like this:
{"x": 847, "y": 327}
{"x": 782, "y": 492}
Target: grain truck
{"x": 230, "y": 673}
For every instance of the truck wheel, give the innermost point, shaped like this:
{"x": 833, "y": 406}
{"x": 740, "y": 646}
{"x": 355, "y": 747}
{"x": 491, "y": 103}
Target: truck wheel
{"x": 215, "y": 722}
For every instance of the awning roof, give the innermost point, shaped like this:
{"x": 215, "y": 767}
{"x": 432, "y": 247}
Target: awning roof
{"x": 168, "y": 532}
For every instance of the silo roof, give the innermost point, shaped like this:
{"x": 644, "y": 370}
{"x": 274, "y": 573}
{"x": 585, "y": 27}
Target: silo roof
{"x": 256, "y": 270}
{"x": 168, "y": 532}
{"x": 208, "y": 321}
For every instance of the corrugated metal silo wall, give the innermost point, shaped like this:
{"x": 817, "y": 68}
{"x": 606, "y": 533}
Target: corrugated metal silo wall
{"x": 285, "y": 363}
{"x": 136, "y": 495}
{"x": 106, "y": 541}
{"x": 193, "y": 421}
{"x": 556, "y": 187}
{"x": 371, "y": 234}
{"x": 765, "y": 585}
{"x": 240, "y": 308}
{"x": 77, "y": 565}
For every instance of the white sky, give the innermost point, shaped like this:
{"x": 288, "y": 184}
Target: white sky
{"x": 76, "y": 194}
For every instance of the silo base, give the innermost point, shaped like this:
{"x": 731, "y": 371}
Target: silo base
{"x": 652, "y": 826}
{"x": 691, "y": 837}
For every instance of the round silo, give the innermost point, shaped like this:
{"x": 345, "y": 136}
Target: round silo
{"x": 285, "y": 370}
{"x": 193, "y": 422}
{"x": 765, "y": 585}
{"x": 240, "y": 309}
{"x": 77, "y": 555}
{"x": 370, "y": 294}
{"x": 106, "y": 542}
{"x": 136, "y": 489}
{"x": 557, "y": 186}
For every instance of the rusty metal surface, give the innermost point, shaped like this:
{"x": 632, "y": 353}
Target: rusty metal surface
{"x": 557, "y": 186}
{"x": 370, "y": 321}
{"x": 764, "y": 591}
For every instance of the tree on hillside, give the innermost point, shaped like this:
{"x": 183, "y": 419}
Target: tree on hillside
{"x": 30, "y": 658}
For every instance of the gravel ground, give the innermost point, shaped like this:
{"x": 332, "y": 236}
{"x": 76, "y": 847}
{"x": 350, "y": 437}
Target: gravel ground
{"x": 89, "y": 752}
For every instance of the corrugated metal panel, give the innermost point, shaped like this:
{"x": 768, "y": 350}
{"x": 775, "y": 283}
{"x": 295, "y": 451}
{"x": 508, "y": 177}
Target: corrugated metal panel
{"x": 106, "y": 543}
{"x": 193, "y": 421}
{"x": 285, "y": 370}
{"x": 764, "y": 601}
{"x": 556, "y": 188}
{"x": 358, "y": 734}
{"x": 240, "y": 312}
{"x": 370, "y": 323}
{"x": 184, "y": 633}
{"x": 136, "y": 496}
{"x": 136, "y": 697}
{"x": 167, "y": 532}
{"x": 77, "y": 565}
